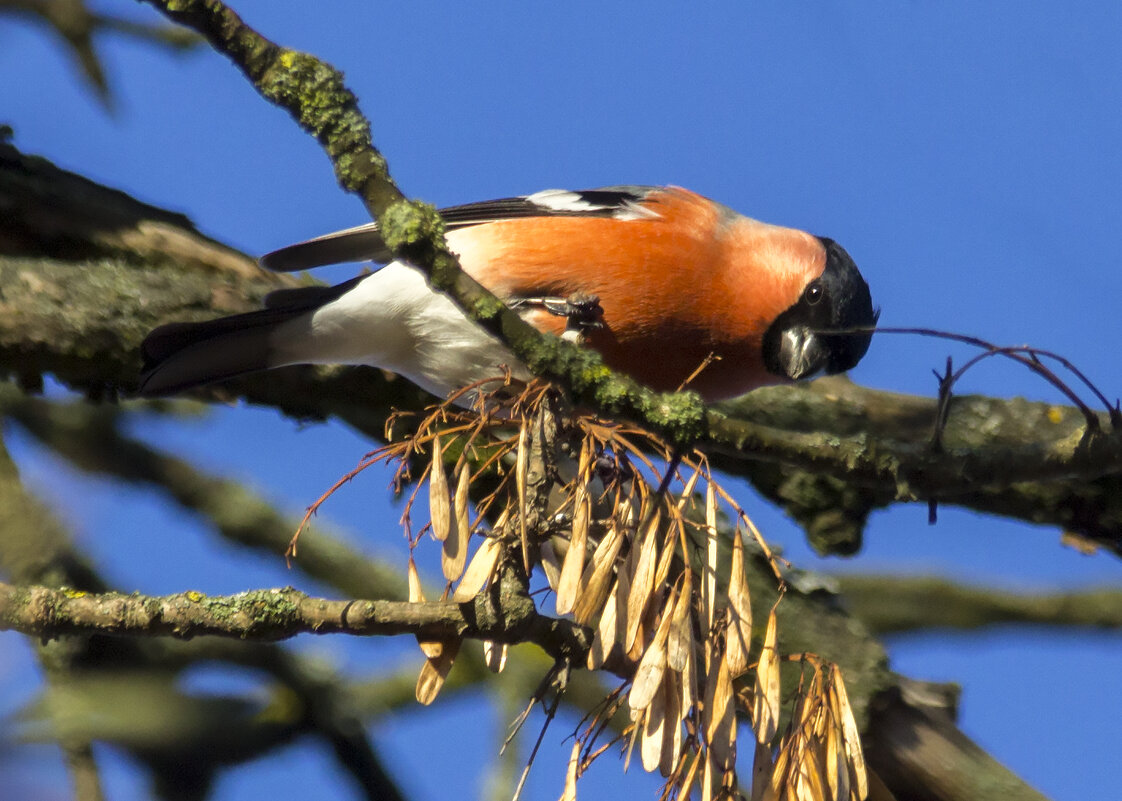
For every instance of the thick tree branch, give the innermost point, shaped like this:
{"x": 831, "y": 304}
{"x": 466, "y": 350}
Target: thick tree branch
{"x": 918, "y": 471}
{"x": 1014, "y": 457}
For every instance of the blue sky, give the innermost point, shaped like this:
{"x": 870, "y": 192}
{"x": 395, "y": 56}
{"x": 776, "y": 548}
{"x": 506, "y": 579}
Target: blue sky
{"x": 967, "y": 156}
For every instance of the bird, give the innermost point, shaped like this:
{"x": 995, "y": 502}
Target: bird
{"x": 661, "y": 281}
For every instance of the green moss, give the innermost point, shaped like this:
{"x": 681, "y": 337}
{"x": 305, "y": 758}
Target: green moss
{"x": 307, "y": 86}
{"x": 612, "y": 393}
{"x": 315, "y": 94}
{"x": 408, "y": 224}
{"x": 486, "y": 308}
{"x": 270, "y": 607}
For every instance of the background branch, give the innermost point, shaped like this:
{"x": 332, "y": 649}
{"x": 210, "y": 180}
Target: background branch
{"x": 927, "y": 602}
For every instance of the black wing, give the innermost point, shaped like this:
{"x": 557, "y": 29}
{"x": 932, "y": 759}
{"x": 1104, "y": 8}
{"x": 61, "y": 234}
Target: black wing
{"x": 364, "y": 242}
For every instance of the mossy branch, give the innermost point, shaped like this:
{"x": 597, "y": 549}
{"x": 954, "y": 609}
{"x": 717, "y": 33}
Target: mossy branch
{"x": 1032, "y": 461}
{"x": 313, "y": 92}
{"x": 271, "y": 615}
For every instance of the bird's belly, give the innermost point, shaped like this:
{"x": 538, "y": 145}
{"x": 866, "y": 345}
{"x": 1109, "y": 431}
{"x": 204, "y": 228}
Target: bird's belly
{"x": 394, "y": 320}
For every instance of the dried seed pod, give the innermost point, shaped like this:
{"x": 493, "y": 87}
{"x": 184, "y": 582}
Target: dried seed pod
{"x": 650, "y": 746}
{"x": 739, "y": 633}
{"x": 479, "y": 570}
{"x": 430, "y": 648}
{"x": 810, "y": 781}
{"x": 623, "y": 593}
{"x": 688, "y": 683}
{"x": 642, "y": 582}
{"x": 625, "y": 512}
{"x": 687, "y": 490}
{"x": 709, "y": 594}
{"x": 679, "y": 643}
{"x": 851, "y": 736}
{"x": 777, "y": 785}
{"x": 644, "y": 634}
{"x": 720, "y": 730}
{"x": 551, "y": 565}
{"x": 605, "y": 640}
{"x": 435, "y": 671}
{"x": 416, "y": 592}
{"x": 521, "y": 470}
{"x": 570, "y": 791}
{"x": 765, "y": 697}
{"x": 648, "y": 676}
{"x": 638, "y": 720}
{"x": 568, "y": 589}
{"x": 662, "y": 570}
{"x": 440, "y": 504}
{"x": 597, "y": 576}
{"x": 672, "y": 728}
{"x": 837, "y": 766}
{"x": 761, "y": 771}
{"x": 454, "y": 551}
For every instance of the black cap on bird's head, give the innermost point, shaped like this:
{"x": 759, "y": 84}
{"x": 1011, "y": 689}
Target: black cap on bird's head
{"x": 797, "y": 344}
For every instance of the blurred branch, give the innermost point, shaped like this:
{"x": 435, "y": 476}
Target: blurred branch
{"x": 310, "y": 697}
{"x": 33, "y": 547}
{"x": 916, "y": 749}
{"x": 88, "y": 271}
{"x": 920, "y": 602}
{"x": 77, "y": 25}
{"x": 81, "y": 670}
{"x": 809, "y": 621}
{"x": 89, "y": 437}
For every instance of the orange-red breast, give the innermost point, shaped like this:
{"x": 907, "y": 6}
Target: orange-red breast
{"x": 678, "y": 277}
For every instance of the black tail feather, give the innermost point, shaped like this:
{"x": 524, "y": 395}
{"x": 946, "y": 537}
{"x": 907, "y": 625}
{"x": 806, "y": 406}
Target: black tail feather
{"x": 180, "y": 356}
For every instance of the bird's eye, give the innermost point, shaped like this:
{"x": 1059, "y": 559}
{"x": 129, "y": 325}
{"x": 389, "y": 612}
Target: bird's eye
{"x": 813, "y": 293}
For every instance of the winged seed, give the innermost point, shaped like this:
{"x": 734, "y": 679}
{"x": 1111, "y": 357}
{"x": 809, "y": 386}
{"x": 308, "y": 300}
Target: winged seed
{"x": 440, "y": 507}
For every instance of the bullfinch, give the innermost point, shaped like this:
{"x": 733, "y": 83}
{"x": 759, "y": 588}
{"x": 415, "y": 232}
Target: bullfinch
{"x": 659, "y": 280}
